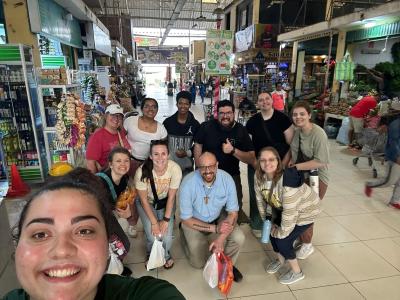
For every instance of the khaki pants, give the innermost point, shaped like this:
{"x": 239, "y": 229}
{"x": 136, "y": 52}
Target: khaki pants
{"x": 195, "y": 244}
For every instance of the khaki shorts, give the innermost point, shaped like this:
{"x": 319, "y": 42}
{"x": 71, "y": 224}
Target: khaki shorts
{"x": 356, "y": 124}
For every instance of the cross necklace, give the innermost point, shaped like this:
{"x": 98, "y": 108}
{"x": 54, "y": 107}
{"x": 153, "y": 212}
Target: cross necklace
{"x": 207, "y": 191}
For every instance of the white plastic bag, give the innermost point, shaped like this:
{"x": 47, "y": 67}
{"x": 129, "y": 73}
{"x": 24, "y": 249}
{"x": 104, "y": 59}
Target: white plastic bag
{"x": 115, "y": 266}
{"x": 210, "y": 271}
{"x": 157, "y": 256}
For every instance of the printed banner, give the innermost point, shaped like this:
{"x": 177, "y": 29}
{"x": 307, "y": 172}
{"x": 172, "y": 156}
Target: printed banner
{"x": 219, "y": 47}
{"x": 161, "y": 55}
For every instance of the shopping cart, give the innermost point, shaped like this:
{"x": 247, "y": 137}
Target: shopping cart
{"x": 373, "y": 147}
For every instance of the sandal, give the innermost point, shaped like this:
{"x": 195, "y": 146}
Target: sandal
{"x": 169, "y": 264}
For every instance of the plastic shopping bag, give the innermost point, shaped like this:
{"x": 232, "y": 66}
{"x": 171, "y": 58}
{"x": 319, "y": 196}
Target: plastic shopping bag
{"x": 210, "y": 271}
{"x": 115, "y": 266}
{"x": 225, "y": 273}
{"x": 157, "y": 255}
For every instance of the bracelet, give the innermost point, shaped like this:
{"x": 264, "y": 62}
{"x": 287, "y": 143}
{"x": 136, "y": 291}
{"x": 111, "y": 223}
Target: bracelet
{"x": 233, "y": 151}
{"x": 166, "y": 219}
{"x": 154, "y": 224}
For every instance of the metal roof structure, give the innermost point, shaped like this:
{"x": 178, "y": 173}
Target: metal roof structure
{"x": 163, "y": 14}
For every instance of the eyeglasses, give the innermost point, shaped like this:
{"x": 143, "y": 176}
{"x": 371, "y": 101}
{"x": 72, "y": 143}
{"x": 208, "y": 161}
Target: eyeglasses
{"x": 271, "y": 160}
{"x": 223, "y": 114}
{"x": 208, "y": 168}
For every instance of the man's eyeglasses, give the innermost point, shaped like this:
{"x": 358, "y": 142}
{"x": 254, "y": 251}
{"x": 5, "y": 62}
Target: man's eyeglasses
{"x": 223, "y": 114}
{"x": 208, "y": 168}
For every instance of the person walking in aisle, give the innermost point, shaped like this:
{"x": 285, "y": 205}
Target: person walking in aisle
{"x": 181, "y": 128}
{"x": 269, "y": 127}
{"x": 309, "y": 151}
{"x": 230, "y": 143}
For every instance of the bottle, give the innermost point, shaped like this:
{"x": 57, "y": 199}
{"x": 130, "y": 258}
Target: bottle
{"x": 266, "y": 231}
{"x": 314, "y": 181}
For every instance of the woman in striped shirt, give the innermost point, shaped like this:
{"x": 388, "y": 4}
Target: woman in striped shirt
{"x": 292, "y": 206}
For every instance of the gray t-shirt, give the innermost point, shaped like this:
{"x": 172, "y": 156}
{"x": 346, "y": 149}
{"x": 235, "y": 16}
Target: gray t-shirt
{"x": 314, "y": 145}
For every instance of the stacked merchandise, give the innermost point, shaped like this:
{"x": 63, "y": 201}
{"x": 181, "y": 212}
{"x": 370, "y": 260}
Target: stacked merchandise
{"x": 70, "y": 125}
{"x": 90, "y": 87}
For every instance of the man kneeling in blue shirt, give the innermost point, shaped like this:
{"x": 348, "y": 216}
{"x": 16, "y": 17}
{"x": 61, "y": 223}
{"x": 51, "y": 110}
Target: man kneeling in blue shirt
{"x": 209, "y": 209}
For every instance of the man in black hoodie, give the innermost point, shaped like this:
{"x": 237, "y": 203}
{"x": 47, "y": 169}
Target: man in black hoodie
{"x": 181, "y": 128}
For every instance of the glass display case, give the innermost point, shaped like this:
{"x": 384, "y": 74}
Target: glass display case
{"x": 21, "y": 123}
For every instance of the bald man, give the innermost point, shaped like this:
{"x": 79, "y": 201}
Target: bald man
{"x": 209, "y": 209}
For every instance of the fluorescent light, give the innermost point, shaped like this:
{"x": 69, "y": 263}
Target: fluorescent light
{"x": 369, "y": 24}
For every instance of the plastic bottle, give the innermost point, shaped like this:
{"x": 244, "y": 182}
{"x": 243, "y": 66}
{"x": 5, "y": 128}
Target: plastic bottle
{"x": 266, "y": 231}
{"x": 314, "y": 180}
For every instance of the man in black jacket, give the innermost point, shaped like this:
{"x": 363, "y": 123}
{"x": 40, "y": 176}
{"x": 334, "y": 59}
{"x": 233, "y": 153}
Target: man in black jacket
{"x": 181, "y": 128}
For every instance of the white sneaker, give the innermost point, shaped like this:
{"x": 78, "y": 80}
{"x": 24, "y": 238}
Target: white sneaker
{"x": 305, "y": 251}
{"x": 132, "y": 231}
{"x": 291, "y": 277}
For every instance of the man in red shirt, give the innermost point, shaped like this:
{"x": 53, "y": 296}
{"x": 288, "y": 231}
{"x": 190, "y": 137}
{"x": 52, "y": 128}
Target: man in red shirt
{"x": 358, "y": 113}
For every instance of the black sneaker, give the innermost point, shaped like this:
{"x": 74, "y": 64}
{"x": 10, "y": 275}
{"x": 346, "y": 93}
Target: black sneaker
{"x": 237, "y": 276}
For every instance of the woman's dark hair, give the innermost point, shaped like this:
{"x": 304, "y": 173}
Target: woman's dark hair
{"x": 260, "y": 175}
{"x": 147, "y": 167}
{"x": 303, "y": 104}
{"x": 118, "y": 150}
{"x": 147, "y": 100}
{"x": 78, "y": 179}
{"x": 264, "y": 91}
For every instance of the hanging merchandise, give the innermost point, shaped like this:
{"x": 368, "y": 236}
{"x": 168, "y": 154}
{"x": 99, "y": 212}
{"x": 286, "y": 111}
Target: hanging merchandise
{"x": 70, "y": 125}
{"x": 90, "y": 86}
{"x": 344, "y": 70}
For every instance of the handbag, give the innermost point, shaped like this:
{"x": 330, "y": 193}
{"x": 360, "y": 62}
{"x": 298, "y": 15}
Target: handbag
{"x": 157, "y": 203}
{"x": 157, "y": 255}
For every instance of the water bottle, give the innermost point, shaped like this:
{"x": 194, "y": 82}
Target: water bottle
{"x": 314, "y": 181}
{"x": 266, "y": 231}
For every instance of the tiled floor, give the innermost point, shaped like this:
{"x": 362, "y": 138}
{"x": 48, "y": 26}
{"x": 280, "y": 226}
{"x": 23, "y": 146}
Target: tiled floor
{"x": 357, "y": 241}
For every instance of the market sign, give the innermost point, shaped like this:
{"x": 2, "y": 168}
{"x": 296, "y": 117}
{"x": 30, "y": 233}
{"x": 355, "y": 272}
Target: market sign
{"x": 260, "y": 58}
{"x": 162, "y": 55}
{"x": 52, "y": 20}
{"x": 180, "y": 62}
{"x": 145, "y": 41}
{"x": 9, "y": 53}
{"x": 270, "y": 55}
{"x": 219, "y": 46}
{"x": 102, "y": 42}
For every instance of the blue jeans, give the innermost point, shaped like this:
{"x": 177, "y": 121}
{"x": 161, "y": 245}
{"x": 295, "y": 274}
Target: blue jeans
{"x": 167, "y": 239}
{"x": 285, "y": 246}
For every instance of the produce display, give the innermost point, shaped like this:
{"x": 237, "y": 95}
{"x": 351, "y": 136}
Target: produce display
{"x": 70, "y": 124}
{"x": 341, "y": 108}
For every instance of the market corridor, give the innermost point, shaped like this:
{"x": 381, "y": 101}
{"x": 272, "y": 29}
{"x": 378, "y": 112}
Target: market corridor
{"x": 357, "y": 242}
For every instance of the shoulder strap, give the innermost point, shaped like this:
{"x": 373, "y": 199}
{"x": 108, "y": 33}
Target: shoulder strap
{"x": 153, "y": 187}
{"x": 110, "y": 184}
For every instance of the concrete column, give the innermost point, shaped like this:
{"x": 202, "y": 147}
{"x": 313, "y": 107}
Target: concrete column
{"x": 294, "y": 57}
{"x": 299, "y": 73}
{"x": 341, "y": 46}
{"x": 18, "y": 30}
{"x": 233, "y": 18}
{"x": 256, "y": 11}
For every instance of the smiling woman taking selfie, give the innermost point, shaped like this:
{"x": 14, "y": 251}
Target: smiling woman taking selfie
{"x": 62, "y": 246}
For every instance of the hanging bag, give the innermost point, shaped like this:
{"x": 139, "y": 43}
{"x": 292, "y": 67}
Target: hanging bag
{"x": 225, "y": 273}
{"x": 157, "y": 255}
{"x": 210, "y": 271}
{"x": 115, "y": 265}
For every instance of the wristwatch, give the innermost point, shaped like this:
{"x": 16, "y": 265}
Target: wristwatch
{"x": 233, "y": 151}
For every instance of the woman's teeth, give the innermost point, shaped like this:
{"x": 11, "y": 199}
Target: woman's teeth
{"x": 62, "y": 273}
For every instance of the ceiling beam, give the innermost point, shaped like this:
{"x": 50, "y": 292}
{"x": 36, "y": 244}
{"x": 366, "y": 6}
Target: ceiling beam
{"x": 154, "y": 18}
{"x": 175, "y": 14}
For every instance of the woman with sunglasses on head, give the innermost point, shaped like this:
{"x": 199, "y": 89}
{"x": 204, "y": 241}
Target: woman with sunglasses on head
{"x": 157, "y": 182}
{"x": 289, "y": 203}
{"x": 140, "y": 131}
{"x": 62, "y": 246}
{"x": 309, "y": 152}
